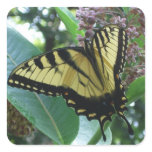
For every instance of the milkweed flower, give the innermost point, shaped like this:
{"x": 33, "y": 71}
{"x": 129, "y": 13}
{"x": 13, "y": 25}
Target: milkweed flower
{"x": 97, "y": 17}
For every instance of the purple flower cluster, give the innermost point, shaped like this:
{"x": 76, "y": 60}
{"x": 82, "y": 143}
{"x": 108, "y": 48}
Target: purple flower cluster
{"x": 97, "y": 17}
{"x": 134, "y": 72}
{"x": 119, "y": 21}
{"x": 133, "y": 52}
{"x": 88, "y": 17}
{"x": 132, "y": 32}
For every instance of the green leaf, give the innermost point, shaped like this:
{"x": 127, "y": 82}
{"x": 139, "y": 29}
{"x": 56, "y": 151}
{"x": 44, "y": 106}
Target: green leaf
{"x": 48, "y": 114}
{"x": 126, "y": 10}
{"x": 70, "y": 22}
{"x": 90, "y": 133}
{"x": 140, "y": 41}
{"x": 136, "y": 90}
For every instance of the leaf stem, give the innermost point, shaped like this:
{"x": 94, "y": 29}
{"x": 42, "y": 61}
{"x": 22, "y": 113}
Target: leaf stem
{"x": 11, "y": 59}
{"x": 95, "y": 138}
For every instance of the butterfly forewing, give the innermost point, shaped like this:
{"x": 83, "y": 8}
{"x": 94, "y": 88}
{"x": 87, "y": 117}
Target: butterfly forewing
{"x": 64, "y": 68}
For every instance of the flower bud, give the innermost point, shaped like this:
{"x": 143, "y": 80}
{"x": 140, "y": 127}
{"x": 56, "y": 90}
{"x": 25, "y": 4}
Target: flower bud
{"x": 91, "y": 19}
{"x": 89, "y": 33}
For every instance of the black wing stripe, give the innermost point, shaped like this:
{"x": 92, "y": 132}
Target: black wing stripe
{"x": 106, "y": 34}
{"x": 51, "y": 59}
{"x": 38, "y": 63}
{"x": 99, "y": 50}
{"x": 65, "y": 56}
{"x": 102, "y": 39}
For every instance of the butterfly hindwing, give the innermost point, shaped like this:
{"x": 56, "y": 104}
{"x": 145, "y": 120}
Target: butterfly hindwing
{"x": 109, "y": 47}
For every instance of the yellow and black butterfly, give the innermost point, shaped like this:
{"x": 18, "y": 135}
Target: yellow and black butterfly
{"x": 88, "y": 78}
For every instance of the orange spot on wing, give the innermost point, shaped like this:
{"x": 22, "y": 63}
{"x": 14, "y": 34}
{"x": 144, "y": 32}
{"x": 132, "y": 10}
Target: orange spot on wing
{"x": 66, "y": 93}
{"x": 117, "y": 76}
{"x": 111, "y": 102}
{"x": 110, "y": 113}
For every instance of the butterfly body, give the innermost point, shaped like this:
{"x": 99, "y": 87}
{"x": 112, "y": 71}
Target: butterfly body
{"x": 88, "y": 78}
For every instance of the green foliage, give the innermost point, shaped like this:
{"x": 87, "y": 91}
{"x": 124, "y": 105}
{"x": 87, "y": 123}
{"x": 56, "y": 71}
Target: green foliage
{"x": 50, "y": 115}
{"x": 70, "y": 22}
{"x": 90, "y": 133}
{"x": 44, "y": 20}
{"x": 126, "y": 10}
{"x": 140, "y": 41}
{"x": 136, "y": 90}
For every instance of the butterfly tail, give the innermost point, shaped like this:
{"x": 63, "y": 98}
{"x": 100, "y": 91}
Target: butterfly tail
{"x": 102, "y": 122}
{"x": 102, "y": 130}
{"x": 130, "y": 130}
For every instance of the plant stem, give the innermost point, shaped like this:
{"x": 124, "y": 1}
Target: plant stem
{"x": 95, "y": 138}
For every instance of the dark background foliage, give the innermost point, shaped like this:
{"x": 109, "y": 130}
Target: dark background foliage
{"x": 46, "y": 21}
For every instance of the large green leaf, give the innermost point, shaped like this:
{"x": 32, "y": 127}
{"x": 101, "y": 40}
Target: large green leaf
{"x": 136, "y": 89}
{"x": 69, "y": 21}
{"x": 49, "y": 114}
{"x": 90, "y": 133}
